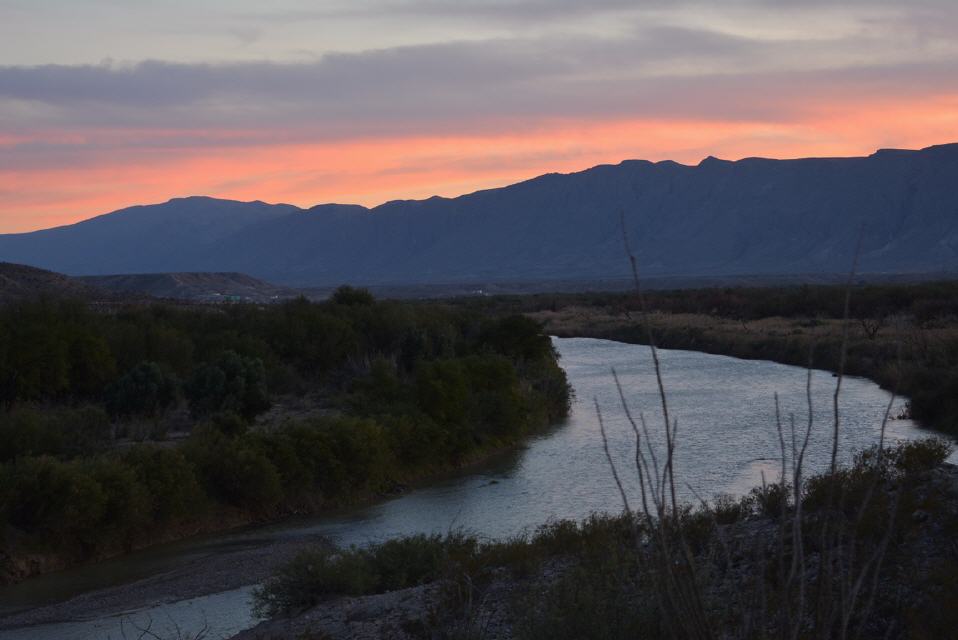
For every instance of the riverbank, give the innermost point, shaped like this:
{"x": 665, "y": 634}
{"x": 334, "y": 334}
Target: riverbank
{"x": 563, "y": 473}
{"x": 883, "y": 566}
{"x": 205, "y": 574}
{"x": 904, "y": 337}
{"x": 211, "y": 571}
{"x": 406, "y": 391}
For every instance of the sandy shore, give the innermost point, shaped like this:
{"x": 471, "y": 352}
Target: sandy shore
{"x": 214, "y": 573}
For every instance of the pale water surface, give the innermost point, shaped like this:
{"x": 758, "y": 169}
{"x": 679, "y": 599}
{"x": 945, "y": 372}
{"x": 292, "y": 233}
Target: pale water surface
{"x": 725, "y": 409}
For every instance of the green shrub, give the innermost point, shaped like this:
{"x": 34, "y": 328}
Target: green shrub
{"x": 917, "y": 456}
{"x": 771, "y": 499}
{"x": 312, "y": 576}
{"x": 126, "y": 510}
{"x": 49, "y": 499}
{"x": 234, "y": 471}
{"x": 326, "y": 572}
{"x": 728, "y": 509}
{"x": 592, "y": 600}
{"x": 229, "y": 423}
{"x": 145, "y": 390}
{"x": 26, "y": 432}
{"x": 170, "y": 480}
{"x": 403, "y": 562}
{"x": 63, "y": 432}
{"x": 347, "y": 295}
{"x": 231, "y": 383}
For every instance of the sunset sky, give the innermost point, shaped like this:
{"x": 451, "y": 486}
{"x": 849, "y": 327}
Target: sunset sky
{"x": 108, "y": 103}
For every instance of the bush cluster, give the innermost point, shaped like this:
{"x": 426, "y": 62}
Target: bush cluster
{"x": 419, "y": 388}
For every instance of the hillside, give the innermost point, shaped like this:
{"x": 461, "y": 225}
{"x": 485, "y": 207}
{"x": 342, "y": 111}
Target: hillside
{"x": 199, "y": 287}
{"x": 170, "y": 237}
{"x": 718, "y": 218}
{"x": 20, "y": 282}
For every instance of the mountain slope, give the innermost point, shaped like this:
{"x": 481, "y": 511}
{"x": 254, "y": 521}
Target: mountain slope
{"x": 151, "y": 238}
{"x": 19, "y": 282}
{"x": 210, "y": 287}
{"x": 754, "y": 216}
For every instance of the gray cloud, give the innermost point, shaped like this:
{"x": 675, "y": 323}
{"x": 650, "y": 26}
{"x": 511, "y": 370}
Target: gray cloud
{"x": 497, "y": 78}
{"x": 649, "y": 69}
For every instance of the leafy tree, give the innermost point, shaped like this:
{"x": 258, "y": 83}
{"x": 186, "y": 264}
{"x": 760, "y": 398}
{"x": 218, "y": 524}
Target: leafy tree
{"x": 234, "y": 470}
{"x": 170, "y": 480}
{"x": 24, "y": 432}
{"x": 352, "y": 296}
{"x": 91, "y": 364}
{"x": 231, "y": 383}
{"x": 47, "y": 497}
{"x": 517, "y": 337}
{"x": 145, "y": 390}
{"x": 83, "y": 431}
{"x": 126, "y": 508}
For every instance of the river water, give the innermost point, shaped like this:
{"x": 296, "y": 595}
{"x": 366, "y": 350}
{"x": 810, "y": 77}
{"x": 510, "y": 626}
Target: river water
{"x": 725, "y": 408}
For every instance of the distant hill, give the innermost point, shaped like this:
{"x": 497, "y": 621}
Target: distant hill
{"x": 20, "y": 282}
{"x": 199, "y": 287}
{"x": 174, "y": 236}
{"x": 753, "y": 217}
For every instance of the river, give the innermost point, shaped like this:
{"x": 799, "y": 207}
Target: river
{"x": 727, "y": 438}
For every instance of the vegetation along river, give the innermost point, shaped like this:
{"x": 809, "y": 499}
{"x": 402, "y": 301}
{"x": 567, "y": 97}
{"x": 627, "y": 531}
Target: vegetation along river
{"x": 727, "y": 438}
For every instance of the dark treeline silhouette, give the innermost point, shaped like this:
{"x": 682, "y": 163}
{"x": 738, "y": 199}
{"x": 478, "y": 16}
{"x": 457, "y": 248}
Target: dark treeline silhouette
{"x": 397, "y": 390}
{"x": 904, "y": 336}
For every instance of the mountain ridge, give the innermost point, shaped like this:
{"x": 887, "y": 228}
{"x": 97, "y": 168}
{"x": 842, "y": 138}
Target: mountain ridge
{"x": 720, "y": 217}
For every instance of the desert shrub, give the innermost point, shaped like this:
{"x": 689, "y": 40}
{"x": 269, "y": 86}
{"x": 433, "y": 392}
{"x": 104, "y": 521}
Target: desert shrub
{"x": 145, "y": 390}
{"x": 727, "y": 509}
{"x": 564, "y": 536}
{"x": 442, "y": 391}
{"x": 312, "y": 576}
{"x": 381, "y": 392}
{"x": 596, "y": 599}
{"x": 126, "y": 508}
{"x": 325, "y": 572}
{"x": 347, "y": 295}
{"x": 91, "y": 364}
{"x": 917, "y": 456}
{"x": 231, "y": 383}
{"x": 498, "y": 406}
{"x": 234, "y": 471}
{"x": 63, "y": 432}
{"x": 359, "y": 456}
{"x": 48, "y": 499}
{"x": 416, "y": 440}
{"x": 170, "y": 480}
{"x": 517, "y": 337}
{"x": 85, "y": 430}
{"x": 771, "y": 499}
{"x": 229, "y": 424}
{"x": 25, "y": 432}
{"x": 416, "y": 559}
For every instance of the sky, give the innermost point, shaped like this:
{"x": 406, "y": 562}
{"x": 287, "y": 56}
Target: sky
{"x": 109, "y": 103}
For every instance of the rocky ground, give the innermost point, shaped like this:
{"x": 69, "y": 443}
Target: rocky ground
{"x": 415, "y": 613}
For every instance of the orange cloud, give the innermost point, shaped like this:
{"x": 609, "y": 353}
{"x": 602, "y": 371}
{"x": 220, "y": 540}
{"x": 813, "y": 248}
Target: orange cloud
{"x": 246, "y": 167}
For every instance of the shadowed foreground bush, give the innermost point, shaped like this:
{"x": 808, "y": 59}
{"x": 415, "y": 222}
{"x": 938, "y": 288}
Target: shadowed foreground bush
{"x": 602, "y": 579}
{"x": 325, "y": 571}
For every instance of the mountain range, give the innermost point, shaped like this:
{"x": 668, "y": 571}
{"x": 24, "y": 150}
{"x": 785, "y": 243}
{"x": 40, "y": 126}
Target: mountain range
{"x": 754, "y": 216}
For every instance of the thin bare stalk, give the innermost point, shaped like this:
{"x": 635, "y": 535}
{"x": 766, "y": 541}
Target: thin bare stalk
{"x": 608, "y": 456}
{"x": 844, "y": 351}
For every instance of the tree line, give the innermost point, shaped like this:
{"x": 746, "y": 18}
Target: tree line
{"x": 408, "y": 388}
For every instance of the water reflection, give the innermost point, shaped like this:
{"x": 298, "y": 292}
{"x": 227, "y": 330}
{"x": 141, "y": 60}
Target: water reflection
{"x": 727, "y": 437}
